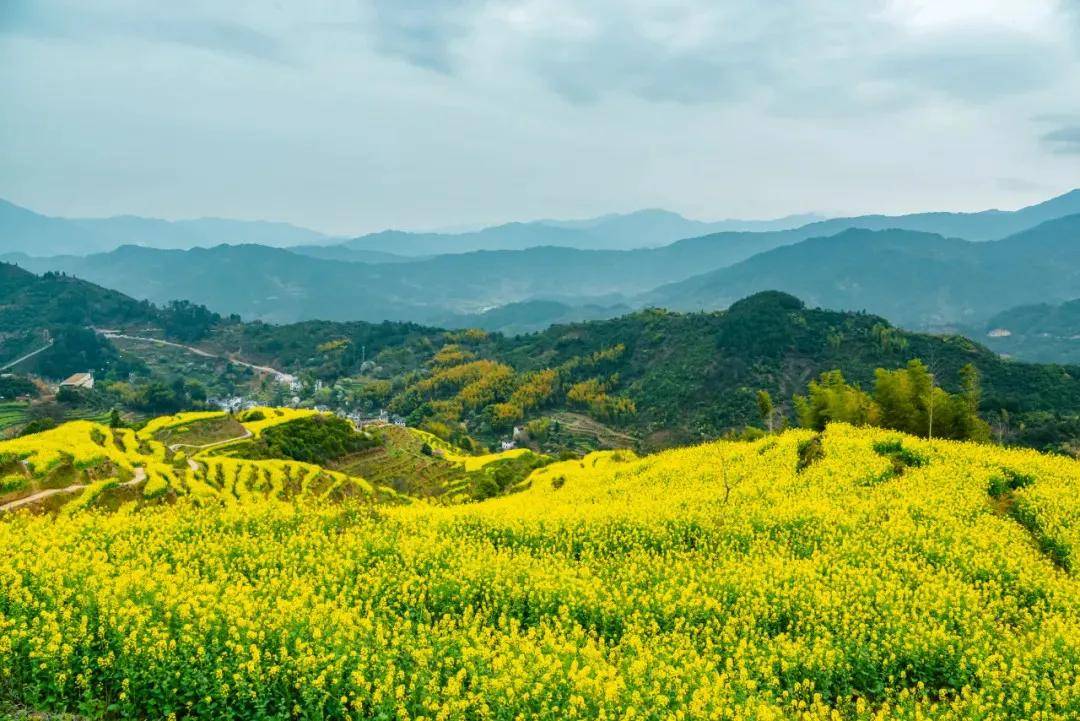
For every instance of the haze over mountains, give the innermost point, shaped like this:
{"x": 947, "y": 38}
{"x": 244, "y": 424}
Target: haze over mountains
{"x": 641, "y": 229}
{"x": 23, "y": 230}
{"x": 914, "y": 278}
{"x": 927, "y": 270}
{"x": 690, "y": 376}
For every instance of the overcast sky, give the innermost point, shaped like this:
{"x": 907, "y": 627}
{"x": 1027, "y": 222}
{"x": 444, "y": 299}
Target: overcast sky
{"x": 349, "y": 115}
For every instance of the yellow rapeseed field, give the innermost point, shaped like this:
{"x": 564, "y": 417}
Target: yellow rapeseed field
{"x": 179, "y": 419}
{"x": 855, "y": 574}
{"x": 264, "y": 417}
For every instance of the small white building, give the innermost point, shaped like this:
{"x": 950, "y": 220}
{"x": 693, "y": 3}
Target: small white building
{"x": 78, "y": 380}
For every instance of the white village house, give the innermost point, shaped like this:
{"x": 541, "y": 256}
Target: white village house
{"x": 78, "y": 380}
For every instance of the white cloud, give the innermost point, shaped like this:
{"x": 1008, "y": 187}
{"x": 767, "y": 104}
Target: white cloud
{"x": 352, "y": 116}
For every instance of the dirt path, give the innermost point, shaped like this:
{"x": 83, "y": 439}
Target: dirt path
{"x": 584, "y": 425}
{"x": 280, "y": 376}
{"x": 31, "y": 354}
{"x": 176, "y": 446}
{"x": 140, "y": 476}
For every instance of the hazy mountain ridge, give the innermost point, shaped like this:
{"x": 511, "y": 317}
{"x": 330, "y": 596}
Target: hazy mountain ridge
{"x": 23, "y": 230}
{"x": 690, "y": 376}
{"x": 651, "y": 228}
{"x": 1040, "y": 332}
{"x": 916, "y": 279}
{"x": 288, "y": 285}
{"x": 978, "y": 226}
{"x": 616, "y": 231}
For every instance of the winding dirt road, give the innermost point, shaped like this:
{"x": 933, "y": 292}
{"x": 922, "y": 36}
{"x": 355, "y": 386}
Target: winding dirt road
{"x": 31, "y": 354}
{"x": 280, "y": 376}
{"x": 140, "y": 476}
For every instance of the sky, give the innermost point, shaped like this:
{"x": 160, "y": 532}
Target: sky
{"x": 350, "y": 116}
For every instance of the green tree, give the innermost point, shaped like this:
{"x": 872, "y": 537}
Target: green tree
{"x": 114, "y": 419}
{"x": 766, "y": 408}
{"x": 904, "y": 398}
{"x": 971, "y": 385}
{"x": 830, "y": 399}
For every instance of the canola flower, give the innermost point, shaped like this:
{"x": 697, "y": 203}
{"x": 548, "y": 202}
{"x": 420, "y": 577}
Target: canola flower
{"x": 86, "y": 444}
{"x": 266, "y": 417}
{"x": 161, "y": 423}
{"x": 886, "y": 578}
{"x": 111, "y": 455}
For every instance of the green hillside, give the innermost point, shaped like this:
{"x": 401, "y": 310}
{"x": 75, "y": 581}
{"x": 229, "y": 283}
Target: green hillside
{"x": 1041, "y": 332}
{"x": 657, "y": 377}
{"x": 915, "y": 279}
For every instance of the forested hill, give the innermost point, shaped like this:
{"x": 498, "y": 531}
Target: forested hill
{"x": 659, "y": 376}
{"x": 1041, "y": 332}
{"x": 687, "y": 376}
{"x": 30, "y": 302}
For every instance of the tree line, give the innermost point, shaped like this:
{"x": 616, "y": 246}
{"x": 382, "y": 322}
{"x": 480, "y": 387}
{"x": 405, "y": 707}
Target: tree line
{"x": 907, "y": 399}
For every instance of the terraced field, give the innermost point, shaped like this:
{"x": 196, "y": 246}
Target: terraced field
{"x": 217, "y": 428}
{"x": 199, "y": 454}
{"x": 12, "y": 414}
{"x": 400, "y": 463}
{"x": 84, "y": 464}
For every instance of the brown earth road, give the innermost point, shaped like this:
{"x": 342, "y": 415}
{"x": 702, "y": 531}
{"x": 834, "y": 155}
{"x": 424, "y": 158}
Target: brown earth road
{"x": 281, "y": 376}
{"x": 175, "y": 446}
{"x": 140, "y": 476}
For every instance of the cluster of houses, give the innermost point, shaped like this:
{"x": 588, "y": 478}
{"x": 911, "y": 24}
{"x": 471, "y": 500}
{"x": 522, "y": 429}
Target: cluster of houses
{"x": 382, "y": 418}
{"x": 235, "y": 404}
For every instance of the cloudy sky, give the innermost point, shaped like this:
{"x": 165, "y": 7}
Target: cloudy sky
{"x": 355, "y": 115}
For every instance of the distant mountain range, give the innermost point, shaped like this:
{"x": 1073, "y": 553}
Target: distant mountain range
{"x": 25, "y": 231}
{"x": 690, "y": 376}
{"x": 984, "y": 225}
{"x": 916, "y": 279}
{"x": 630, "y": 231}
{"x": 277, "y": 285}
{"x": 650, "y": 228}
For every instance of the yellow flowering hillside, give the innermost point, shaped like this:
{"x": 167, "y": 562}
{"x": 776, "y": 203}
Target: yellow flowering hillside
{"x": 82, "y": 464}
{"x": 852, "y": 574}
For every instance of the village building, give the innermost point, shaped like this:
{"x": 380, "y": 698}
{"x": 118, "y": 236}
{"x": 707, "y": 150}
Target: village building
{"x": 78, "y": 380}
